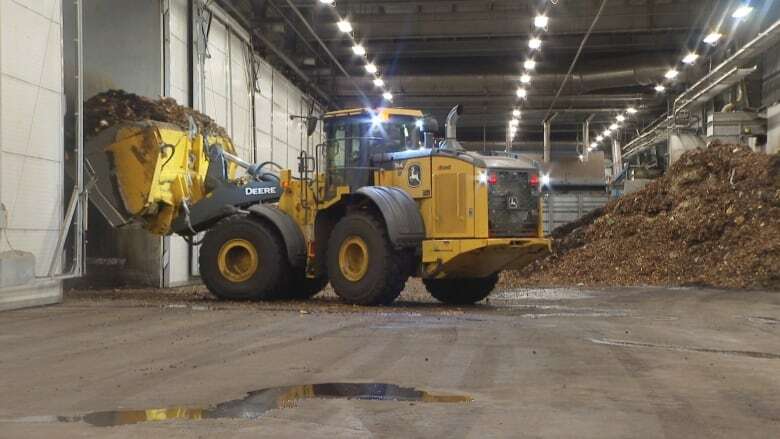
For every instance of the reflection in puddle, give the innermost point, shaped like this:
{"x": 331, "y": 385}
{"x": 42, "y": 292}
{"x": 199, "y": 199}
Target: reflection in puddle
{"x": 260, "y": 401}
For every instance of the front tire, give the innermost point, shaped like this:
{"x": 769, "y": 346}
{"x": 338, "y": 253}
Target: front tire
{"x": 242, "y": 259}
{"x": 464, "y": 291}
{"x": 363, "y": 266}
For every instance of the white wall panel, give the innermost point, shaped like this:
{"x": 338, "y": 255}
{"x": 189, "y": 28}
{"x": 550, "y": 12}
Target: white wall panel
{"x": 178, "y": 68}
{"x": 178, "y": 86}
{"x": 31, "y": 138}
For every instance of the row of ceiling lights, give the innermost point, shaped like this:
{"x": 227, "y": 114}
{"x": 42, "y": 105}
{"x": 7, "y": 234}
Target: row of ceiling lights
{"x": 534, "y": 44}
{"x": 689, "y": 59}
{"x": 371, "y": 69}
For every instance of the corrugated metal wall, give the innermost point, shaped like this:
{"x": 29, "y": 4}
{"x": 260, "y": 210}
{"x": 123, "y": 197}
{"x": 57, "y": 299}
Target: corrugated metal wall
{"x": 31, "y": 137}
{"x": 230, "y": 94}
{"x": 563, "y": 208}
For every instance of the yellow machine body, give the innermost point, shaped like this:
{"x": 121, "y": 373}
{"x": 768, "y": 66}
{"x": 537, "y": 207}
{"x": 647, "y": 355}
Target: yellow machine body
{"x": 147, "y": 169}
{"x": 453, "y": 203}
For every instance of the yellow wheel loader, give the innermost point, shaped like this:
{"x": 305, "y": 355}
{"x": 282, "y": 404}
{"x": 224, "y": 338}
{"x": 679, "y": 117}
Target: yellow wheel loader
{"x": 377, "y": 202}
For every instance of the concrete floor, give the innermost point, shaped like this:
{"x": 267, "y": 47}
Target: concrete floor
{"x": 640, "y": 362}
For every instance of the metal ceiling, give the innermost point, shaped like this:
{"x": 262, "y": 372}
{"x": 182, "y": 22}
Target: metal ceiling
{"x": 435, "y": 54}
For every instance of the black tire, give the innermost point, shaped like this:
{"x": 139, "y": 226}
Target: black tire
{"x": 384, "y": 276}
{"x": 463, "y": 291}
{"x": 302, "y": 287}
{"x": 270, "y": 274}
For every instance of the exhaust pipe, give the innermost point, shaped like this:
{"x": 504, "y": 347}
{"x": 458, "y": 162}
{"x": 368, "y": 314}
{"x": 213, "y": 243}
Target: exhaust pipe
{"x": 451, "y": 128}
{"x": 452, "y": 122}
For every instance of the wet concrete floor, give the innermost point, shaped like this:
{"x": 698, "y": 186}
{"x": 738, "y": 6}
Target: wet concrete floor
{"x": 634, "y": 362}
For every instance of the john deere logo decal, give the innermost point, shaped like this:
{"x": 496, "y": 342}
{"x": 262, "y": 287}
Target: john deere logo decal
{"x": 415, "y": 175}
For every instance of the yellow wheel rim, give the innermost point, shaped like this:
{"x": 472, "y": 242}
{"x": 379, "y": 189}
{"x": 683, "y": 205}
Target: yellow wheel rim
{"x": 353, "y": 258}
{"x": 238, "y": 260}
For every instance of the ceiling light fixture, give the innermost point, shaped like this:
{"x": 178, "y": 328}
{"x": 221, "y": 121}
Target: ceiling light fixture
{"x": 535, "y": 43}
{"x": 371, "y": 67}
{"x": 712, "y": 38}
{"x": 541, "y": 21}
{"x": 379, "y": 82}
{"x": 742, "y": 11}
{"x": 529, "y": 64}
{"x": 607, "y": 133}
{"x": 525, "y": 78}
{"x": 671, "y": 73}
{"x": 522, "y": 93}
{"x": 516, "y": 112}
{"x": 387, "y": 96}
{"x": 620, "y": 118}
{"x": 344, "y": 26}
{"x": 631, "y": 110}
{"x": 613, "y": 127}
{"x": 690, "y": 58}
{"x": 514, "y": 122}
{"x": 599, "y": 138}
{"x": 359, "y": 50}
{"x": 660, "y": 88}
{"x": 328, "y": 2}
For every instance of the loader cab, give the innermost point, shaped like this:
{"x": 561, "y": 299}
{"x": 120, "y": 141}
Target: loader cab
{"x": 356, "y": 138}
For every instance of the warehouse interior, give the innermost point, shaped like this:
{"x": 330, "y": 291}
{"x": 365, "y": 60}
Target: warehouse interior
{"x": 586, "y": 209}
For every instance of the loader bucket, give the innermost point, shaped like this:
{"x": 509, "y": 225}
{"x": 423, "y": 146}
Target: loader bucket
{"x": 143, "y": 171}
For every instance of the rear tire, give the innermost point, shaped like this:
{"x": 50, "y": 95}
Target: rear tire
{"x": 464, "y": 291}
{"x": 242, "y": 259}
{"x": 363, "y": 266}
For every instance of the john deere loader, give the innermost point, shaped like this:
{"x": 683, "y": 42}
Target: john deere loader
{"x": 377, "y": 202}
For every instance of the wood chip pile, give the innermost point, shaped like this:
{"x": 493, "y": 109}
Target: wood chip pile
{"x": 113, "y": 107}
{"x": 713, "y": 219}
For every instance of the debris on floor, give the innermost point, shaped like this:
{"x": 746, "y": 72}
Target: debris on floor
{"x": 713, "y": 219}
{"x": 113, "y": 107}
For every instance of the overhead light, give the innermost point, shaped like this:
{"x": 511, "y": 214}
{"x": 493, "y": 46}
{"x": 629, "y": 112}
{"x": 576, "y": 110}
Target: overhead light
{"x": 660, "y": 88}
{"x": 690, "y": 58}
{"x": 671, "y": 74}
{"x": 613, "y": 127}
{"x": 344, "y": 26}
{"x": 620, "y": 118}
{"x": 631, "y": 110}
{"x": 529, "y": 64}
{"x": 371, "y": 67}
{"x": 742, "y": 11}
{"x": 328, "y": 2}
{"x": 379, "y": 82}
{"x": 514, "y": 122}
{"x": 534, "y": 43}
{"x": 516, "y": 112}
{"x": 545, "y": 180}
{"x": 525, "y": 78}
{"x": 593, "y": 145}
{"x": 359, "y": 50}
{"x": 419, "y": 123}
{"x": 607, "y": 133}
{"x": 712, "y": 38}
{"x": 387, "y": 96}
{"x": 540, "y": 21}
{"x": 522, "y": 93}
{"x": 599, "y": 138}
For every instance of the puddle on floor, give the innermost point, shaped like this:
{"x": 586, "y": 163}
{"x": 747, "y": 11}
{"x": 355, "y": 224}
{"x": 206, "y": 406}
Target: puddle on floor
{"x": 636, "y": 344}
{"x": 256, "y": 403}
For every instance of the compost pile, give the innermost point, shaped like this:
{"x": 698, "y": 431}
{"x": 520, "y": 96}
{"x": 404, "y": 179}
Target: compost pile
{"x": 114, "y": 107}
{"x": 713, "y": 219}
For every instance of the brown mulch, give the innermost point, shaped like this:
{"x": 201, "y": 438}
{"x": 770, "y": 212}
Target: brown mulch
{"x": 713, "y": 219}
{"x": 113, "y": 107}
